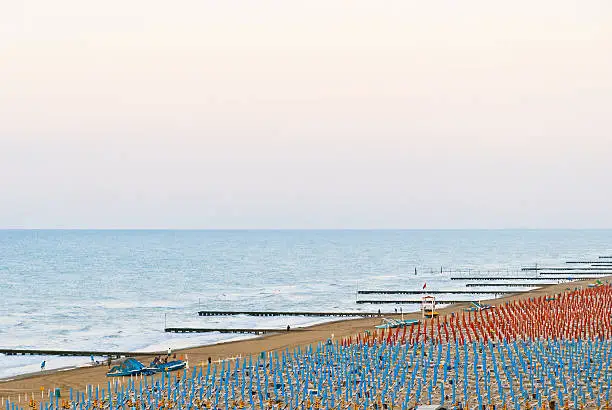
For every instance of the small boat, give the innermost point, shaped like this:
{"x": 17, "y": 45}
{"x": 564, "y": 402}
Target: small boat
{"x": 130, "y": 367}
{"x": 168, "y": 367}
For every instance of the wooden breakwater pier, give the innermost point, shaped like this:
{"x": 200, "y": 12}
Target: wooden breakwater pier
{"x": 279, "y": 313}
{"x": 589, "y": 270}
{"x": 559, "y": 271}
{"x": 209, "y": 330}
{"x": 84, "y": 353}
{"x": 508, "y": 285}
{"x": 490, "y": 278}
{"x": 436, "y": 292}
{"x": 411, "y": 302}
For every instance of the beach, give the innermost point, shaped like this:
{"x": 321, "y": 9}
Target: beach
{"x": 305, "y": 205}
{"x": 79, "y": 379}
{"x": 90, "y": 294}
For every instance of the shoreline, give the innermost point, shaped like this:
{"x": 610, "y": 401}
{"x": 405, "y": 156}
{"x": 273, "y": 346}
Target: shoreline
{"x": 148, "y": 353}
{"x": 79, "y": 377}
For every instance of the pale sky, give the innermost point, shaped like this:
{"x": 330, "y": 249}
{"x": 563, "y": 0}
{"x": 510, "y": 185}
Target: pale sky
{"x": 305, "y": 114}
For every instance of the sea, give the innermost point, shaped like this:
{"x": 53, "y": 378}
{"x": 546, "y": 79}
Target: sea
{"x": 116, "y": 290}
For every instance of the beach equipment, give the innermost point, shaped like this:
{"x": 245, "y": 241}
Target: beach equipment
{"x": 130, "y": 367}
{"x": 477, "y": 307}
{"x": 428, "y": 306}
{"x": 169, "y": 366}
{"x": 394, "y": 323}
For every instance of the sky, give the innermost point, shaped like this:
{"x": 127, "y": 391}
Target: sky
{"x": 305, "y": 114}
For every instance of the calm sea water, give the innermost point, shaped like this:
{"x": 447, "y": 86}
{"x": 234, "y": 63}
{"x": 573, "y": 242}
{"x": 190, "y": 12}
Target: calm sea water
{"x": 116, "y": 290}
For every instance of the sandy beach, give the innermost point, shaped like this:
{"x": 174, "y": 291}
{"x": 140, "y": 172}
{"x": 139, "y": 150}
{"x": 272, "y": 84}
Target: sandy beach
{"x": 216, "y": 205}
{"x": 79, "y": 378}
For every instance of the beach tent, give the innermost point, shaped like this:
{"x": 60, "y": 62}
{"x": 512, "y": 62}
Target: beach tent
{"x": 128, "y": 367}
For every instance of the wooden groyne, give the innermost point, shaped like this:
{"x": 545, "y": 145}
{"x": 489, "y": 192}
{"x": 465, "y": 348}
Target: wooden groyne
{"x": 509, "y": 285}
{"x": 490, "y": 278}
{"x": 434, "y": 292}
{"x": 84, "y": 353}
{"x": 568, "y": 269}
{"x": 412, "y": 302}
{"x": 278, "y": 313}
{"x": 208, "y": 330}
{"x": 607, "y": 272}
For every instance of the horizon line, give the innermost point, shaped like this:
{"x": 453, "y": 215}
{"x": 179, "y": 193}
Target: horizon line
{"x": 302, "y": 229}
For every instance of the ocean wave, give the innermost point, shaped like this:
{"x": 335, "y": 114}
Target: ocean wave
{"x": 122, "y": 304}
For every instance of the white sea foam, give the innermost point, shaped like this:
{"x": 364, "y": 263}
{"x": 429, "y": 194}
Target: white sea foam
{"x": 31, "y": 364}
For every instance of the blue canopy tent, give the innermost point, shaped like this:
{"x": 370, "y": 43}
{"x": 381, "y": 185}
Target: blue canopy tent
{"x": 130, "y": 367}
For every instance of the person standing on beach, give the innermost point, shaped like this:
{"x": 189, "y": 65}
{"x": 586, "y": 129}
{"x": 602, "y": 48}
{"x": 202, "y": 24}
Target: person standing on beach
{"x": 169, "y": 351}
{"x": 42, "y": 365}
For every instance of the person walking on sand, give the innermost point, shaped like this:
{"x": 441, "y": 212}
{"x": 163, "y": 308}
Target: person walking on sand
{"x": 42, "y": 365}
{"x": 169, "y": 351}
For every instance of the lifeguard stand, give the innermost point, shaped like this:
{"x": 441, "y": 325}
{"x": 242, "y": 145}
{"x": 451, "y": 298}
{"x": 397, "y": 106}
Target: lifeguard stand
{"x": 428, "y": 306}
